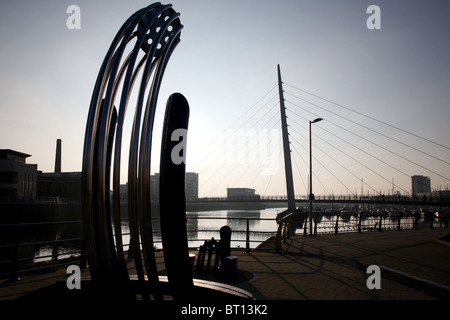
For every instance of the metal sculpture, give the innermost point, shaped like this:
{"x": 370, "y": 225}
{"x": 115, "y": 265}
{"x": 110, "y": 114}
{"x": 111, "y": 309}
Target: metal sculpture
{"x": 152, "y": 33}
{"x": 139, "y": 53}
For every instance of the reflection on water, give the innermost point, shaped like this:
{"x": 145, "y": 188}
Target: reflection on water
{"x": 204, "y": 225}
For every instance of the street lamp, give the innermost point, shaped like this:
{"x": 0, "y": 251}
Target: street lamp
{"x": 311, "y": 195}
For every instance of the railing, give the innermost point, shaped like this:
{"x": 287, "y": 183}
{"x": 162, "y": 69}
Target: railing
{"x": 433, "y": 199}
{"x": 31, "y": 247}
{"x": 282, "y": 232}
{"x": 239, "y": 235}
{"x": 36, "y": 246}
{"x": 21, "y": 241}
{"x": 361, "y": 222}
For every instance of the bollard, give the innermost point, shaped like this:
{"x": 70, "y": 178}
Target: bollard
{"x": 191, "y": 260}
{"x": 278, "y": 238}
{"x": 247, "y": 238}
{"x": 359, "y": 222}
{"x": 446, "y": 217}
{"x": 336, "y": 227}
{"x": 229, "y": 268}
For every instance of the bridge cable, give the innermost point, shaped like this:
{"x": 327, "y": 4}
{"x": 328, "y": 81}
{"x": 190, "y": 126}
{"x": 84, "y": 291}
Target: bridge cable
{"x": 332, "y": 158}
{"x": 221, "y": 135}
{"x": 233, "y": 146}
{"x": 254, "y": 146}
{"x": 362, "y": 163}
{"x": 318, "y": 161}
{"x": 280, "y": 151}
{"x": 365, "y": 127}
{"x": 239, "y": 118}
{"x": 398, "y": 155}
{"x": 367, "y": 116}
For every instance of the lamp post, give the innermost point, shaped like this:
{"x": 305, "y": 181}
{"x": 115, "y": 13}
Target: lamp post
{"x": 311, "y": 195}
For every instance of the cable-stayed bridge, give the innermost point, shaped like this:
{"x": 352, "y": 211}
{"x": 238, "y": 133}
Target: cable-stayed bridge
{"x": 356, "y": 157}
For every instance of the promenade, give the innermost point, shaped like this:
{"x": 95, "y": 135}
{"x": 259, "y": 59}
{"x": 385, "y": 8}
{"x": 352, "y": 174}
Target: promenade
{"x": 334, "y": 267}
{"x": 415, "y": 265}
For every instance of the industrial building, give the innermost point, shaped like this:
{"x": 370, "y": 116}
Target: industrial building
{"x": 421, "y": 185}
{"x": 18, "y": 179}
{"x": 242, "y": 194}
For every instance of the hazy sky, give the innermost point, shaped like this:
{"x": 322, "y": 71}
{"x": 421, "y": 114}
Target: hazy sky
{"x": 226, "y": 63}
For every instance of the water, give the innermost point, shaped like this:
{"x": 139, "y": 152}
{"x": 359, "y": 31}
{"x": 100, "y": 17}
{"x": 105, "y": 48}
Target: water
{"x": 203, "y": 225}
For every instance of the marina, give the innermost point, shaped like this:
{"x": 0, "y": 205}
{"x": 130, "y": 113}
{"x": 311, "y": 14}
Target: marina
{"x": 44, "y": 244}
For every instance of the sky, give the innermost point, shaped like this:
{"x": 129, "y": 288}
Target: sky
{"x": 226, "y": 66}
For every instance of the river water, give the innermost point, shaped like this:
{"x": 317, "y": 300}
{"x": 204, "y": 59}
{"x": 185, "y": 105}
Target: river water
{"x": 260, "y": 223}
{"x": 203, "y": 225}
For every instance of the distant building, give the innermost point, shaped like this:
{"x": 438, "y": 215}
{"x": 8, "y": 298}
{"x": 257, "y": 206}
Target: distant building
{"x": 191, "y": 186}
{"x": 420, "y": 185}
{"x": 241, "y": 194}
{"x": 123, "y": 192}
{"x": 65, "y": 185}
{"x": 58, "y": 184}
{"x": 18, "y": 180}
{"x": 443, "y": 195}
{"x": 154, "y": 186}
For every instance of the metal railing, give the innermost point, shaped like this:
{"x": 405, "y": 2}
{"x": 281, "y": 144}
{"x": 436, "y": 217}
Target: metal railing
{"x": 430, "y": 199}
{"x": 362, "y": 222}
{"x": 21, "y": 244}
{"x": 35, "y": 246}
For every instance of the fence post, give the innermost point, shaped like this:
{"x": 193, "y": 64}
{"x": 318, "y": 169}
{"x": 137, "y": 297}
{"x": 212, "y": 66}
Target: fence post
{"x": 315, "y": 225}
{"x": 381, "y": 220}
{"x": 416, "y": 219}
{"x": 359, "y": 222}
{"x": 247, "y": 240}
{"x": 15, "y": 264}
{"x": 305, "y": 224}
{"x": 446, "y": 221}
{"x": 336, "y": 227}
{"x": 277, "y": 248}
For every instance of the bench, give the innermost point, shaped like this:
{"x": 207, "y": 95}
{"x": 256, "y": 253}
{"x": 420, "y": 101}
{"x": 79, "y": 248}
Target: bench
{"x": 213, "y": 248}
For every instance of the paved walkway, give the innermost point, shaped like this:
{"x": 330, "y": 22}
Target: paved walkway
{"x": 328, "y": 267}
{"x": 413, "y": 265}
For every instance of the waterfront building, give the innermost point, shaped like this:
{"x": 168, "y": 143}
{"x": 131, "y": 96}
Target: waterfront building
{"x": 65, "y": 185}
{"x": 154, "y": 186}
{"x": 18, "y": 179}
{"x": 241, "y": 194}
{"x": 191, "y": 186}
{"x": 58, "y": 184}
{"x": 420, "y": 185}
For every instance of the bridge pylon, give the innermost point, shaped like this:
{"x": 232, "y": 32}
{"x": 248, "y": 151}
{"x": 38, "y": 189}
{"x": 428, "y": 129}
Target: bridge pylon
{"x": 286, "y": 148}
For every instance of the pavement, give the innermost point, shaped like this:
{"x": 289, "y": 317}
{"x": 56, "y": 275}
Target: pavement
{"x": 413, "y": 265}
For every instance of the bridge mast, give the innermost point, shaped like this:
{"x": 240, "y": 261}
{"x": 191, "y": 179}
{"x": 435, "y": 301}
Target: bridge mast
{"x": 286, "y": 147}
